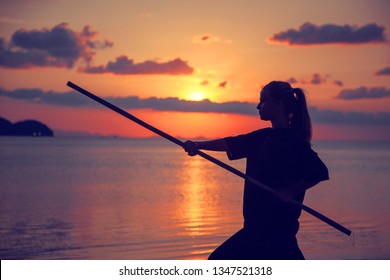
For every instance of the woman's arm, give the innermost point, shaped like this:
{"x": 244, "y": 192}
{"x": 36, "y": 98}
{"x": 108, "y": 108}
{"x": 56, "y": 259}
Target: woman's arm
{"x": 192, "y": 147}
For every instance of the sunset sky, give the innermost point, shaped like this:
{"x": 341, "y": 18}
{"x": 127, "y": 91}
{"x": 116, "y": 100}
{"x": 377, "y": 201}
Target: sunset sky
{"x": 158, "y": 59}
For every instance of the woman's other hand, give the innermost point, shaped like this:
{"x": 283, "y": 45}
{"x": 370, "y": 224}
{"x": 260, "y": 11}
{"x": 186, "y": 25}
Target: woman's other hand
{"x": 191, "y": 148}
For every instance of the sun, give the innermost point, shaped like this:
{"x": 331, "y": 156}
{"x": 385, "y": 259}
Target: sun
{"x": 196, "y": 96}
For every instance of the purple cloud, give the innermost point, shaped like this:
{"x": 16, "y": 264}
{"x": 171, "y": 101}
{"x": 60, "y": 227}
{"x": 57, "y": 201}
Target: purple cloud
{"x": 309, "y": 34}
{"x": 384, "y": 71}
{"x": 292, "y": 80}
{"x": 364, "y": 93}
{"x": 56, "y": 47}
{"x": 317, "y": 79}
{"x": 63, "y": 47}
{"x": 125, "y": 66}
{"x": 174, "y": 104}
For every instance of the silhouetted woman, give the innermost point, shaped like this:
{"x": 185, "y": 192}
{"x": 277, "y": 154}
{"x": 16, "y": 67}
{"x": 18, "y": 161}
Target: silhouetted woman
{"x": 280, "y": 157}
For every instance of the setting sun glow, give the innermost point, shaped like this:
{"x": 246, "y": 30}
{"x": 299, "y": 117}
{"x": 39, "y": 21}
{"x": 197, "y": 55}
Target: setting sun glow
{"x": 196, "y": 96}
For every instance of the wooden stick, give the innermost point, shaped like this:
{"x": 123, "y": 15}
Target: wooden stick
{"x": 208, "y": 157}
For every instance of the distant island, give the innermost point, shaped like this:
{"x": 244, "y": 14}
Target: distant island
{"x": 24, "y": 128}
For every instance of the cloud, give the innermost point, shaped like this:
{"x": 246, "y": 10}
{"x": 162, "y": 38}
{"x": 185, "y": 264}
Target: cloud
{"x": 174, "y": 104}
{"x": 125, "y": 66}
{"x": 341, "y": 117}
{"x": 207, "y": 39}
{"x": 223, "y": 84}
{"x": 204, "y": 83}
{"x": 383, "y": 71}
{"x": 215, "y": 84}
{"x": 364, "y": 93}
{"x": 309, "y": 34}
{"x": 63, "y": 47}
{"x": 47, "y": 97}
{"x": 292, "y": 80}
{"x": 131, "y": 102}
{"x": 317, "y": 79}
{"x": 59, "y": 46}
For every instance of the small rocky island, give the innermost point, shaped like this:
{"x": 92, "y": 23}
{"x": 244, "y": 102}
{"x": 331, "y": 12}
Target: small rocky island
{"x": 24, "y": 128}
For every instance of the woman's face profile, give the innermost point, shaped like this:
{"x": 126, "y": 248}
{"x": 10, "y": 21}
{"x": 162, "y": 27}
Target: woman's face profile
{"x": 268, "y": 108}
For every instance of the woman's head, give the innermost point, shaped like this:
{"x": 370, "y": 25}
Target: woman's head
{"x": 290, "y": 102}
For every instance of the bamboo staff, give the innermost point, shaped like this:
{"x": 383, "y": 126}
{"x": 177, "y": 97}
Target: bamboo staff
{"x": 208, "y": 157}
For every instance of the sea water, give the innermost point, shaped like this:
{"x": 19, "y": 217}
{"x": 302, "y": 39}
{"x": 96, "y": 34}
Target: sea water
{"x": 111, "y": 198}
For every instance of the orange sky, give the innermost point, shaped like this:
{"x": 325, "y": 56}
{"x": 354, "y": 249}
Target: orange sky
{"x": 218, "y": 50}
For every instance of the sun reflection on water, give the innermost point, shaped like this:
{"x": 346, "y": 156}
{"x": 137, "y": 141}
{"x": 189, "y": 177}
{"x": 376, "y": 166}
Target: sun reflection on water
{"x": 196, "y": 205}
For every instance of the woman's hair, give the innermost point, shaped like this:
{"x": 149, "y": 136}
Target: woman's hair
{"x": 295, "y": 105}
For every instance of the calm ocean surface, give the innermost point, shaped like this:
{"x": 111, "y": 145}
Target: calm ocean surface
{"x": 146, "y": 199}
